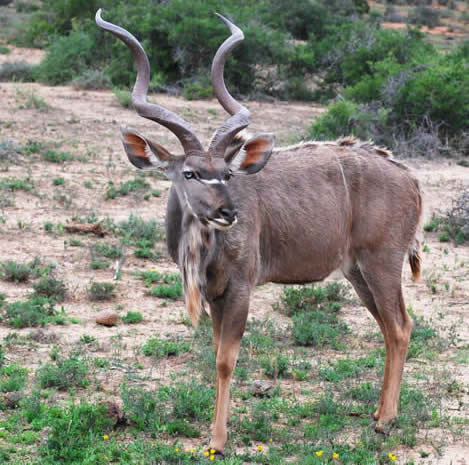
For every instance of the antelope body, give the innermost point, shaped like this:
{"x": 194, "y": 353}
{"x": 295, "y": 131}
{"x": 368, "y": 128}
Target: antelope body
{"x": 235, "y": 221}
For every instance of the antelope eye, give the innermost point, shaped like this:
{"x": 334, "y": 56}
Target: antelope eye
{"x": 227, "y": 176}
{"x": 189, "y": 174}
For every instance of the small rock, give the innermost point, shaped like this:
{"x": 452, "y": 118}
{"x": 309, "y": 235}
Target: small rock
{"x": 261, "y": 388}
{"x": 107, "y": 318}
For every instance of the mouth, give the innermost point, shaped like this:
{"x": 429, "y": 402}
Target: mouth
{"x": 221, "y": 223}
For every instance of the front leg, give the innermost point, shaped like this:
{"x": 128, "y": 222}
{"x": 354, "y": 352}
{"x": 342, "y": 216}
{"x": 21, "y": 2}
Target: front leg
{"x": 229, "y": 315}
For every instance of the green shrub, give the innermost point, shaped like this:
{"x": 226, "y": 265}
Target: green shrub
{"x": 74, "y": 430}
{"x": 14, "y": 184}
{"x": 169, "y": 408}
{"x": 437, "y": 92}
{"x": 136, "y": 228}
{"x": 36, "y": 311}
{"x": 58, "y": 181}
{"x": 425, "y": 16}
{"x": 101, "y": 291}
{"x": 123, "y": 97}
{"x": 181, "y": 47}
{"x": 125, "y": 188}
{"x": 132, "y": 318}
{"x": 16, "y": 71}
{"x": 91, "y": 79}
{"x": 15, "y": 272}
{"x": 159, "y": 348}
{"x": 66, "y": 58}
{"x": 63, "y": 373}
{"x": 12, "y": 377}
{"x": 454, "y": 224}
{"x": 99, "y": 264}
{"x": 198, "y": 89}
{"x": 53, "y": 156}
{"x": 275, "y": 365}
{"x": 319, "y": 328}
{"x": 309, "y": 298}
{"x": 169, "y": 291}
{"x": 113, "y": 251}
{"x": 52, "y": 288}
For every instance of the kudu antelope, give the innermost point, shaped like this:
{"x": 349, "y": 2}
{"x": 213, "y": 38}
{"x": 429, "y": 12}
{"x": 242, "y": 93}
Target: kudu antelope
{"x": 235, "y": 221}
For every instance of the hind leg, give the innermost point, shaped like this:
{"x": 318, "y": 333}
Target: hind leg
{"x": 379, "y": 288}
{"x": 355, "y": 277}
{"x": 382, "y": 273}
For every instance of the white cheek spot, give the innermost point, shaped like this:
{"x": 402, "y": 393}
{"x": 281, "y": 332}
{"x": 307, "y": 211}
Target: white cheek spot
{"x": 212, "y": 181}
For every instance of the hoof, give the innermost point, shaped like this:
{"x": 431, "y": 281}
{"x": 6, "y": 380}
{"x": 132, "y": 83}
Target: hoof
{"x": 384, "y": 428}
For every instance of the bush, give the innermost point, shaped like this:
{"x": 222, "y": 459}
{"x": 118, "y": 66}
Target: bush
{"x": 132, "y": 318}
{"x": 36, "y": 311}
{"x": 67, "y": 57}
{"x": 52, "y": 288}
{"x": 123, "y": 97}
{"x": 12, "y": 378}
{"x": 159, "y": 348}
{"x": 169, "y": 408}
{"x": 181, "y": 46}
{"x": 17, "y": 71}
{"x": 399, "y": 91}
{"x": 319, "y": 328}
{"x": 425, "y": 16}
{"x": 91, "y": 79}
{"x": 455, "y": 223}
{"x": 63, "y": 373}
{"x": 73, "y": 431}
{"x": 101, "y": 291}
{"x": 309, "y": 298}
{"x": 15, "y": 272}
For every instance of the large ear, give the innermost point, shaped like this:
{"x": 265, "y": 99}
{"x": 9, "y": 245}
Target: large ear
{"x": 143, "y": 153}
{"x": 253, "y": 155}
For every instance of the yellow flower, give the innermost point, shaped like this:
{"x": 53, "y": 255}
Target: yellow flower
{"x": 191, "y": 450}
{"x": 270, "y": 440}
{"x": 177, "y": 449}
{"x": 212, "y": 451}
{"x": 153, "y": 270}
{"x": 391, "y": 456}
{"x": 335, "y": 455}
{"x": 259, "y": 447}
{"x": 319, "y": 453}
{"x": 206, "y": 453}
{"x": 212, "y": 457}
{"x": 105, "y": 436}
{"x": 105, "y": 457}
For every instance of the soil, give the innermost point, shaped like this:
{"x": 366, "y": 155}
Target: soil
{"x": 86, "y": 124}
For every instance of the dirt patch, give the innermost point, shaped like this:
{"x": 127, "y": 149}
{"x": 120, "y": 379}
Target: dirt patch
{"x": 29, "y": 55}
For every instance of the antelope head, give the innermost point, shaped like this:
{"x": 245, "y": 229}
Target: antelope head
{"x": 201, "y": 177}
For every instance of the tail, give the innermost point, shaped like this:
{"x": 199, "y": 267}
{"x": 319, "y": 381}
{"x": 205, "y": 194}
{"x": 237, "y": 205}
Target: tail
{"x": 415, "y": 259}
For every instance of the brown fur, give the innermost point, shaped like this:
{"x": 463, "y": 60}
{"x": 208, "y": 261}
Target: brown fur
{"x": 314, "y": 208}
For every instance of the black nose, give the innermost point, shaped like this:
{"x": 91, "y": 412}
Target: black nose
{"x": 228, "y": 214}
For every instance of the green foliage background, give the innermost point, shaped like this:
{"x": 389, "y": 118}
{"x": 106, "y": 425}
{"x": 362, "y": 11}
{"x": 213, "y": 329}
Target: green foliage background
{"x": 390, "y": 86}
